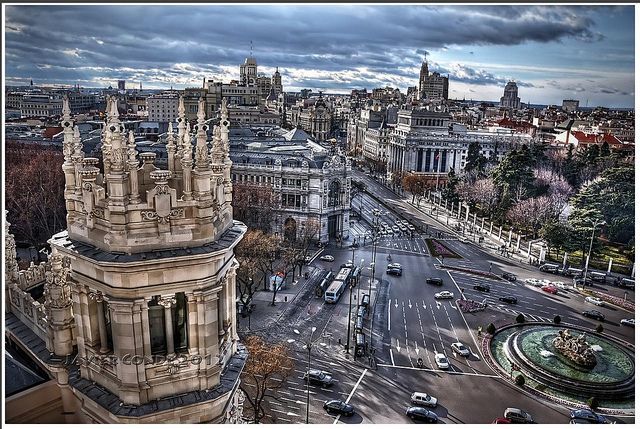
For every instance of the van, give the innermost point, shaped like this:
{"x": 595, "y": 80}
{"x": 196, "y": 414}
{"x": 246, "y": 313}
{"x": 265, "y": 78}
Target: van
{"x": 572, "y": 272}
{"x": 598, "y": 277}
{"x": 549, "y": 268}
{"x": 628, "y": 283}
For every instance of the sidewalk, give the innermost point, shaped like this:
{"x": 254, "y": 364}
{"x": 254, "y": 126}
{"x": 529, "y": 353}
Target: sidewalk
{"x": 265, "y": 315}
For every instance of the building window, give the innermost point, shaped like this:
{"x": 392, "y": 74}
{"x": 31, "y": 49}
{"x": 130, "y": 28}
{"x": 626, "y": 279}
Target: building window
{"x": 156, "y": 327}
{"x": 180, "y": 336}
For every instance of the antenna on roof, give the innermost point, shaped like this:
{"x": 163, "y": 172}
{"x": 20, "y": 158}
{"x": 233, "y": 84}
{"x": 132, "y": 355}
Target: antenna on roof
{"x": 251, "y": 47}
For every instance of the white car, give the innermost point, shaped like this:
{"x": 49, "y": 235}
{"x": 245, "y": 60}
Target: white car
{"x": 404, "y": 222}
{"x": 442, "y": 361}
{"x": 595, "y": 301}
{"x": 532, "y": 282}
{"x": 561, "y": 285}
{"x": 461, "y": 349}
{"x": 327, "y": 258}
{"x": 445, "y": 294}
{"x": 395, "y": 228}
{"x": 628, "y": 322}
{"x": 411, "y": 228}
{"x": 423, "y": 399}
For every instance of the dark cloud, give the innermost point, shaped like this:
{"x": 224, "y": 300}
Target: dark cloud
{"x": 348, "y": 46}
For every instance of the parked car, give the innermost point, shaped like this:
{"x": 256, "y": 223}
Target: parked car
{"x": 580, "y": 281}
{"x": 588, "y": 415}
{"x": 441, "y": 361}
{"x": 422, "y": 414}
{"x": 500, "y": 420}
{"x": 516, "y": 415}
{"x": 423, "y": 399}
{"x": 628, "y": 322}
{"x": 508, "y": 276}
{"x": 595, "y": 301}
{"x": 348, "y": 264}
{"x": 572, "y": 272}
{"x": 593, "y": 314}
{"x": 434, "y": 281}
{"x": 597, "y": 276}
{"x": 445, "y": 294}
{"x": 335, "y": 406}
{"x": 550, "y": 289}
{"x": 628, "y": 283}
{"x": 482, "y": 288}
{"x": 561, "y": 285}
{"x": 533, "y": 282}
{"x": 316, "y": 376}
{"x": 327, "y": 258}
{"x": 411, "y": 227}
{"x": 395, "y": 228}
{"x": 508, "y": 299}
{"x": 461, "y": 349}
{"x": 549, "y": 268}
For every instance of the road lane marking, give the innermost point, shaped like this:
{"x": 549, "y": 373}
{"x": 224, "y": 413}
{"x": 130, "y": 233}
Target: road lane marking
{"x": 442, "y": 370}
{"x": 351, "y": 394}
{"x": 392, "y": 361}
{"x": 389, "y": 317}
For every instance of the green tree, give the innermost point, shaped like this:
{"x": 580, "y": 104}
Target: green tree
{"x": 570, "y": 167}
{"x": 520, "y": 380}
{"x": 605, "y": 150}
{"x": 449, "y": 192}
{"x": 476, "y": 162}
{"x": 491, "y": 329}
{"x": 559, "y": 236}
{"x": 514, "y": 178}
{"x": 557, "y": 319}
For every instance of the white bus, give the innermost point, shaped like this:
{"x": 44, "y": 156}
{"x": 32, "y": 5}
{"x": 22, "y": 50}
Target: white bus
{"x": 334, "y": 291}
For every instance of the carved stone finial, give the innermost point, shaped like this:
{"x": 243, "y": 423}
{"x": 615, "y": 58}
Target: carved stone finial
{"x": 11, "y": 264}
{"x": 181, "y": 110}
{"x": 132, "y": 152}
{"x": 57, "y": 290}
{"x": 201, "y": 111}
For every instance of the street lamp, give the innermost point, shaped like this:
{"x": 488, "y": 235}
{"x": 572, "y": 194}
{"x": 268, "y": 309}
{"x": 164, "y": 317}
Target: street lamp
{"x": 586, "y": 266}
{"x": 308, "y": 345}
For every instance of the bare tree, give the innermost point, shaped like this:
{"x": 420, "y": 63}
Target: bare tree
{"x": 253, "y": 253}
{"x": 266, "y": 371}
{"x": 253, "y": 204}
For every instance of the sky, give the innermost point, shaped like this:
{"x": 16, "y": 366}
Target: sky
{"x": 553, "y": 52}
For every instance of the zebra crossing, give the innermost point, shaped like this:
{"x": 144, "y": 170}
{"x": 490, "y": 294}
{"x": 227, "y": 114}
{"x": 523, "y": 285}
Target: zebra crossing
{"x": 528, "y": 316}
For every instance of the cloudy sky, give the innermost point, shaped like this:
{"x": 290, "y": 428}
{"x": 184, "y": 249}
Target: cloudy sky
{"x": 553, "y": 52}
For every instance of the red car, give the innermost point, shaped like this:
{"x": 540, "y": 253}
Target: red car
{"x": 550, "y": 289}
{"x": 501, "y": 420}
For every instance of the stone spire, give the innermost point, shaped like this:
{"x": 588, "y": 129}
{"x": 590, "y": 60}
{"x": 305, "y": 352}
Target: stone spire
{"x": 202, "y": 155}
{"x": 187, "y": 161}
{"x": 58, "y": 304}
{"x": 171, "y": 148}
{"x": 10, "y": 261}
{"x": 132, "y": 163}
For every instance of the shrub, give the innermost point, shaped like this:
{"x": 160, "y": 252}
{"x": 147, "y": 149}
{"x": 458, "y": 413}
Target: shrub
{"x": 520, "y": 318}
{"x": 491, "y": 329}
{"x": 557, "y": 319}
{"x": 599, "y": 328}
{"x": 520, "y": 380}
{"x": 592, "y": 403}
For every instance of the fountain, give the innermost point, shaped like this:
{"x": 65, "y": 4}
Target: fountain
{"x": 576, "y": 349}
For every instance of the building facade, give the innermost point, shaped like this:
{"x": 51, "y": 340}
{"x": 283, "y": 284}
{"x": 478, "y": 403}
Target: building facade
{"x": 432, "y": 86}
{"x": 570, "y": 105}
{"x": 422, "y": 143}
{"x": 163, "y": 107}
{"x": 510, "y": 98}
{"x": 310, "y": 182}
{"x": 138, "y": 307}
{"x": 40, "y": 105}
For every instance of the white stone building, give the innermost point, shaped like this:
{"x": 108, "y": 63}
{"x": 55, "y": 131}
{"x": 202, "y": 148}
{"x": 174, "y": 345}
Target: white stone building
{"x": 163, "y": 107}
{"x": 137, "y": 321}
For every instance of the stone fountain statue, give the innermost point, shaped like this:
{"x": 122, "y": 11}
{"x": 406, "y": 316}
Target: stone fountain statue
{"x": 575, "y": 348}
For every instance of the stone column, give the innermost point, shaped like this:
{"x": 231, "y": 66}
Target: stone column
{"x": 482, "y": 224}
{"x": 529, "y": 250}
{"x": 431, "y": 160}
{"x": 500, "y": 233}
{"x": 222, "y": 313}
{"x": 167, "y": 302}
{"x": 510, "y": 234}
{"x": 102, "y": 327}
{"x": 459, "y": 209}
{"x": 474, "y": 219}
{"x": 518, "y": 242}
{"x": 192, "y": 310}
{"x": 491, "y": 228}
{"x": 144, "y": 315}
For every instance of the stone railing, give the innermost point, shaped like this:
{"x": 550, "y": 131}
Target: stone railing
{"x": 28, "y": 310}
{"x": 31, "y": 276}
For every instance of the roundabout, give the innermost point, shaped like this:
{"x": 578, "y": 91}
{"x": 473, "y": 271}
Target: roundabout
{"x": 567, "y": 363}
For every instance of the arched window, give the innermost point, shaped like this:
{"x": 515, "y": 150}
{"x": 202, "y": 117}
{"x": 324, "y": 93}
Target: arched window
{"x": 334, "y": 193}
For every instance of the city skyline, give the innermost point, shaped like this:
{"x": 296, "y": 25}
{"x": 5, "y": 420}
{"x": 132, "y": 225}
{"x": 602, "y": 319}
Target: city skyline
{"x": 583, "y": 53}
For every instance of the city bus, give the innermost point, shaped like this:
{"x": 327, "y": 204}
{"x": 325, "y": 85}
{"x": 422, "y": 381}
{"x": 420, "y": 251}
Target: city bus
{"x": 334, "y": 291}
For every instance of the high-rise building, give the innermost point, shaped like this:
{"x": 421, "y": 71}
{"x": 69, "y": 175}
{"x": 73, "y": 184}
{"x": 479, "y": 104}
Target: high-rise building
{"x": 137, "y": 321}
{"x": 510, "y": 98}
{"x": 276, "y": 82}
{"x": 433, "y": 86}
{"x": 248, "y": 72}
{"x": 121, "y": 85}
{"x": 570, "y": 105}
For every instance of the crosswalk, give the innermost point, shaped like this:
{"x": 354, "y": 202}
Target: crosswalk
{"x": 527, "y": 316}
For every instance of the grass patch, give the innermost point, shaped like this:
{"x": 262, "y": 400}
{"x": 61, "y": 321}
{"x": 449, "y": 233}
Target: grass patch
{"x": 438, "y": 248}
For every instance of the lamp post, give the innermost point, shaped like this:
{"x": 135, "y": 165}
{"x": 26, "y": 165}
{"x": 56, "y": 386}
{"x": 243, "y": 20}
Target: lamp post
{"x": 308, "y": 345}
{"x": 586, "y": 265}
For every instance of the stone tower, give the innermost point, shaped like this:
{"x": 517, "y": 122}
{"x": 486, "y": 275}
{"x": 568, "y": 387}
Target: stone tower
{"x": 146, "y": 272}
